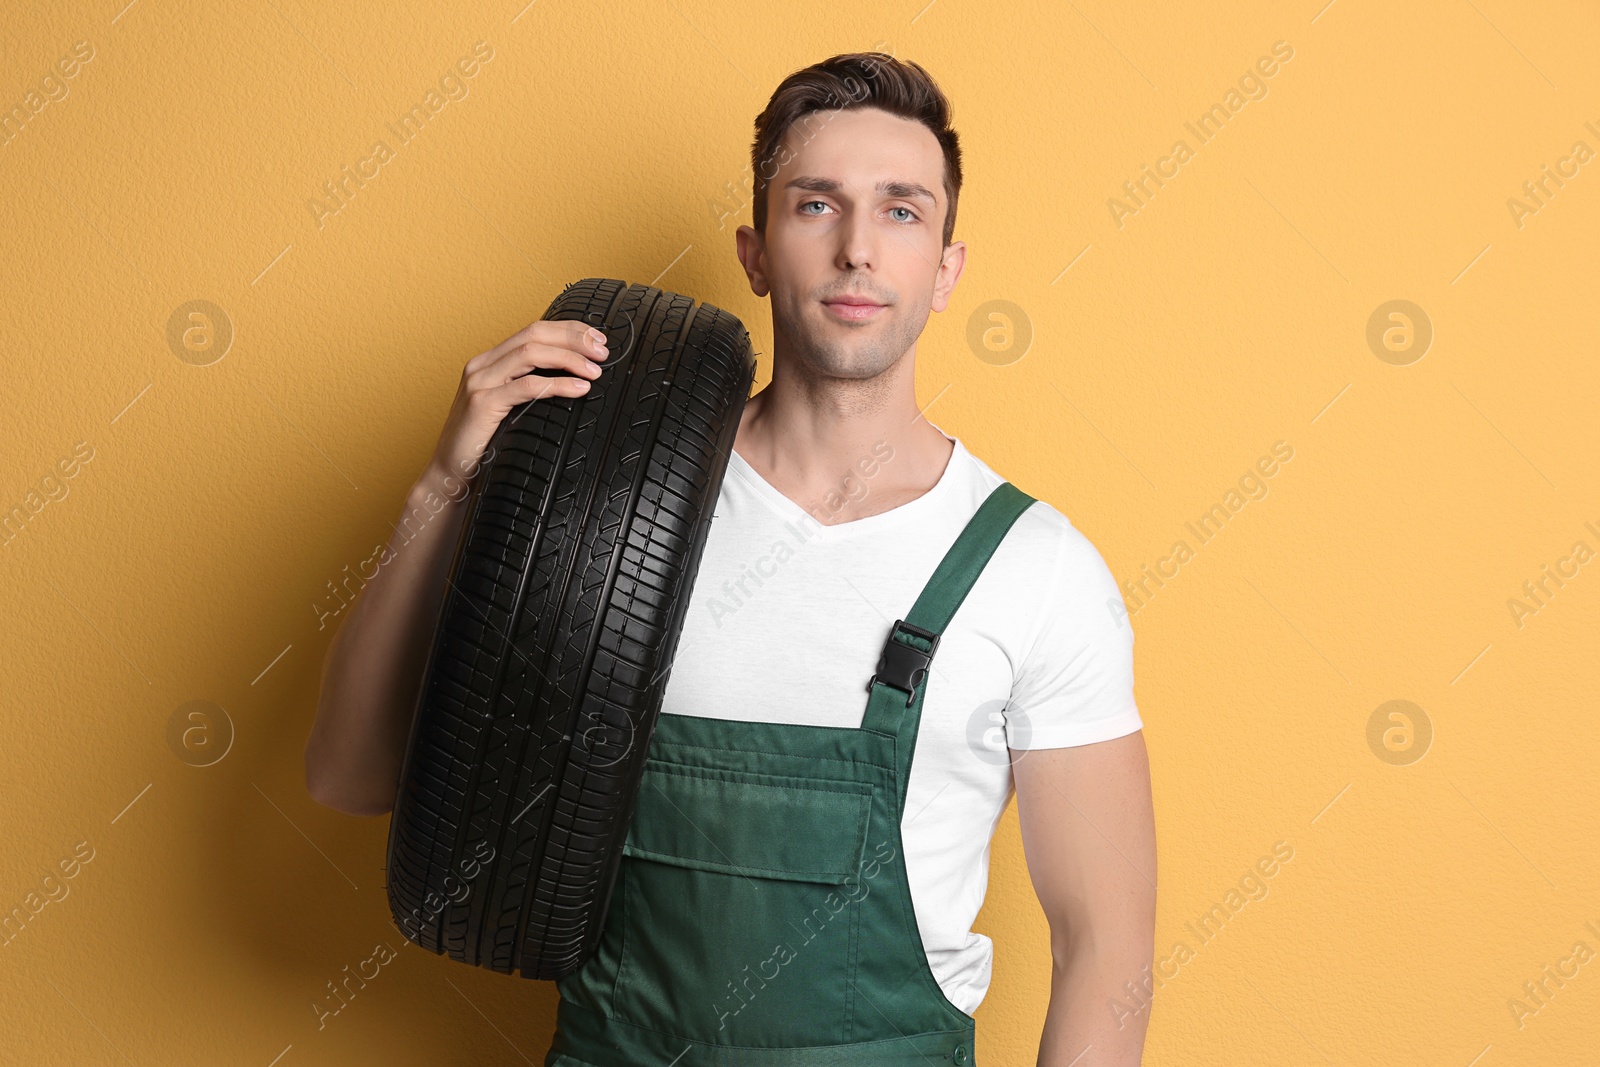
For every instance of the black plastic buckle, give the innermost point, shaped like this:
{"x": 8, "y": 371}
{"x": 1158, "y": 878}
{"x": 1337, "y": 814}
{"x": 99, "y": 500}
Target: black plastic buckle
{"x": 903, "y": 666}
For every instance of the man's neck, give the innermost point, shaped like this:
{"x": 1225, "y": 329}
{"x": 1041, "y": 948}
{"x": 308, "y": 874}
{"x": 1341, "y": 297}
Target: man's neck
{"x": 844, "y": 450}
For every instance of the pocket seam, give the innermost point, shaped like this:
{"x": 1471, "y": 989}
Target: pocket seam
{"x": 711, "y": 866}
{"x": 777, "y": 781}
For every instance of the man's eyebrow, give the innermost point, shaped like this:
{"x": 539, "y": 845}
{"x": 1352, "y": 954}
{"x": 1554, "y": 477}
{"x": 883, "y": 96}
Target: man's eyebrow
{"x": 903, "y": 189}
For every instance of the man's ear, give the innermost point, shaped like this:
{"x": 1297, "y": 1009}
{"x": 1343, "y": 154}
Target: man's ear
{"x": 751, "y": 248}
{"x": 950, "y": 268}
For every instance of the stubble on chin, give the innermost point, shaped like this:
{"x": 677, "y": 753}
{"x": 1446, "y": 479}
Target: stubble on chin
{"x": 842, "y": 352}
{"x": 823, "y": 347}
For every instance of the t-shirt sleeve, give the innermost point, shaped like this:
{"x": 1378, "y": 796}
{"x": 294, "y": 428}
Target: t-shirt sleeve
{"x": 1074, "y": 685}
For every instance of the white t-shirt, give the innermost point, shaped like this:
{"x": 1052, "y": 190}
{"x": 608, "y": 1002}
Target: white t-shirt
{"x": 787, "y": 617}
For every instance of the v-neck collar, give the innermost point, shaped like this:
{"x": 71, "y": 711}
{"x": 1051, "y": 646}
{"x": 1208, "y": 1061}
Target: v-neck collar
{"x": 909, "y": 511}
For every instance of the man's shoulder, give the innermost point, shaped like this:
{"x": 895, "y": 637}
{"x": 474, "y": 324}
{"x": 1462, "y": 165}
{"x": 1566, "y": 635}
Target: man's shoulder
{"x": 1042, "y": 539}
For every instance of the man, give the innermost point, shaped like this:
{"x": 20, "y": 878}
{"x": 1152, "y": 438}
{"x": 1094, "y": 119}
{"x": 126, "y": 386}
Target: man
{"x": 843, "y": 511}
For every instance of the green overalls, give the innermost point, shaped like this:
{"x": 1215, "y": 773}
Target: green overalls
{"x": 762, "y": 916}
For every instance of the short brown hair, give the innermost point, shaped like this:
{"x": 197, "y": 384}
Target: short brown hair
{"x": 846, "y": 82}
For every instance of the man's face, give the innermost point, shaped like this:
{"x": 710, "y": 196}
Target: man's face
{"x": 855, "y": 212}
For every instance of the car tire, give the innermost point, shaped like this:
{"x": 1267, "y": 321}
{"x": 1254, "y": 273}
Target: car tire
{"x": 584, "y": 528}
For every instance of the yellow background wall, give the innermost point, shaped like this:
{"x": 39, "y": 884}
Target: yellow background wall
{"x": 1171, "y": 347}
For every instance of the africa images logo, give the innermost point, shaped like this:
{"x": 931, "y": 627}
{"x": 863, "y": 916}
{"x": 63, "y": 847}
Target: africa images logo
{"x": 1252, "y": 85}
{"x": 454, "y": 84}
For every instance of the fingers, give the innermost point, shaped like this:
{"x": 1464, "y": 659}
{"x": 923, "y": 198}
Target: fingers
{"x": 568, "y": 334}
{"x": 536, "y": 387}
{"x": 519, "y": 361}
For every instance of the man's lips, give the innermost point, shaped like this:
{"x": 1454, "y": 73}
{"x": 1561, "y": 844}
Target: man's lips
{"x": 853, "y": 308}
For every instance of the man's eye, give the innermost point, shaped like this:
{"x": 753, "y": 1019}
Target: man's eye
{"x": 808, "y": 203}
{"x": 907, "y": 210}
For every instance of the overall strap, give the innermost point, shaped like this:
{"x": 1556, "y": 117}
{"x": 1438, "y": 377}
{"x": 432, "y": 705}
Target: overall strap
{"x": 902, "y": 673}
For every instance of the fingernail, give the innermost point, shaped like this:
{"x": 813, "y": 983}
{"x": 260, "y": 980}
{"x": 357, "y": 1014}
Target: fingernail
{"x": 596, "y": 336}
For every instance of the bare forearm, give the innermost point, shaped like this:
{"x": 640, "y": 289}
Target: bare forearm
{"x": 1094, "y": 1020}
{"x": 373, "y": 670}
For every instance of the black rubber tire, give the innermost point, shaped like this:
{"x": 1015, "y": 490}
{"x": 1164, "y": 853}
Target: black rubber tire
{"x": 584, "y": 530}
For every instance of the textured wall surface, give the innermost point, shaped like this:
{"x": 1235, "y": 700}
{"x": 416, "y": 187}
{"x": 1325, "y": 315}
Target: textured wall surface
{"x": 1377, "y": 255}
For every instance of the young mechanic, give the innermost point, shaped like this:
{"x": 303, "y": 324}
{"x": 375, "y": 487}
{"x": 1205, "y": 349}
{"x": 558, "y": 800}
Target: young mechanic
{"x": 843, "y": 507}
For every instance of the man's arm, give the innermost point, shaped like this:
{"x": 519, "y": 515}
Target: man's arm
{"x": 372, "y": 674}
{"x": 1088, "y": 832}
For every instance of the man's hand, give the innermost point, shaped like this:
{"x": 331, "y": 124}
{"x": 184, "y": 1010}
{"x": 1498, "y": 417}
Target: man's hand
{"x": 494, "y": 382}
{"x": 1088, "y": 832}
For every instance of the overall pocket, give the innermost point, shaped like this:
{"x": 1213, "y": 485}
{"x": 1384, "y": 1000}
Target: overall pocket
{"x": 741, "y": 901}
